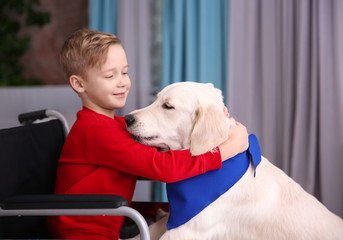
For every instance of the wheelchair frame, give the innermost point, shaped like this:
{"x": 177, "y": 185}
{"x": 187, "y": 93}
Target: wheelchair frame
{"x": 58, "y": 205}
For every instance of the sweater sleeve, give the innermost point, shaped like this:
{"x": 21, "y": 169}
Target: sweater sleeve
{"x": 113, "y": 147}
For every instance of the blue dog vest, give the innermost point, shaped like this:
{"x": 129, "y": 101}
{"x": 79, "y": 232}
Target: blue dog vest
{"x": 189, "y": 197}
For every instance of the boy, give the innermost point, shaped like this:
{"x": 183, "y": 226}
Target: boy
{"x": 99, "y": 155}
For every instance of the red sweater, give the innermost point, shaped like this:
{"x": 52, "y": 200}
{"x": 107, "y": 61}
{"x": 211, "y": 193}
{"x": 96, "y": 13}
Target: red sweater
{"x": 100, "y": 157}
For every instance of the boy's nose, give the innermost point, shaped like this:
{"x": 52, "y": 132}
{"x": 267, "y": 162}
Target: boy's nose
{"x": 130, "y": 120}
{"x": 121, "y": 81}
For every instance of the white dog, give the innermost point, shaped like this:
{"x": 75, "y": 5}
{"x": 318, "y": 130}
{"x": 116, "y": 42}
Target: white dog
{"x": 269, "y": 205}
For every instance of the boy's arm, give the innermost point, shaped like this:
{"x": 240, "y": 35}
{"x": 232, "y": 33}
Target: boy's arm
{"x": 119, "y": 151}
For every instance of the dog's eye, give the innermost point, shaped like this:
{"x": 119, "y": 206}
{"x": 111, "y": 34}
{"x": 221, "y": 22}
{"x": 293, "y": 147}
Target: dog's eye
{"x": 167, "y": 106}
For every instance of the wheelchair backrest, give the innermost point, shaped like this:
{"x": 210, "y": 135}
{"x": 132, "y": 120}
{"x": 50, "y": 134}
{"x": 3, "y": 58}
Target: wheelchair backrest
{"x": 28, "y": 163}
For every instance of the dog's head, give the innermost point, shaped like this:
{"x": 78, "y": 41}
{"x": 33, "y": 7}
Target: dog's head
{"x": 185, "y": 115}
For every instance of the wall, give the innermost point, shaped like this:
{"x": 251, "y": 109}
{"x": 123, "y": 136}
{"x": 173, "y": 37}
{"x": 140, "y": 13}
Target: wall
{"x": 16, "y": 100}
{"x": 41, "y": 60}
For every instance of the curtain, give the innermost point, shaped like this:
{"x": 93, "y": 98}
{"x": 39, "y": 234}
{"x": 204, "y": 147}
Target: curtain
{"x": 135, "y": 33}
{"x": 286, "y": 85}
{"x": 102, "y": 15}
{"x": 195, "y": 43}
{"x": 195, "y": 37}
{"x": 130, "y": 21}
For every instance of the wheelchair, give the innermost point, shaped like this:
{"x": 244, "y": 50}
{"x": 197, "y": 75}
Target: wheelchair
{"x": 28, "y": 163}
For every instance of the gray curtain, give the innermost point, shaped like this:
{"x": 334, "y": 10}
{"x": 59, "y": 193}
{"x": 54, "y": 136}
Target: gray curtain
{"x": 134, "y": 31}
{"x": 286, "y": 86}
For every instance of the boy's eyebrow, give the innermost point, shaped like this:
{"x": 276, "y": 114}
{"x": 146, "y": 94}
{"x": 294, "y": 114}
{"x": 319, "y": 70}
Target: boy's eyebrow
{"x": 110, "y": 69}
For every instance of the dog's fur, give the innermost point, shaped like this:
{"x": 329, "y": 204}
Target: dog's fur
{"x": 271, "y": 205}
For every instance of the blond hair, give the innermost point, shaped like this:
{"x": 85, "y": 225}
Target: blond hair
{"x": 85, "y": 49}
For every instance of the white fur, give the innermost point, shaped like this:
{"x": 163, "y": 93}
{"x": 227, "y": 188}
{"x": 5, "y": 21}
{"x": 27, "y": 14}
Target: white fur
{"x": 269, "y": 206}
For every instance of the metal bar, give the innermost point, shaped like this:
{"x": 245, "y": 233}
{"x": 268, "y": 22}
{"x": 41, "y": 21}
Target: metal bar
{"x": 121, "y": 211}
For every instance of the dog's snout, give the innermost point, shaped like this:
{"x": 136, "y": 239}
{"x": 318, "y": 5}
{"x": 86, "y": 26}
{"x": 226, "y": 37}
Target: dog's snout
{"x": 130, "y": 120}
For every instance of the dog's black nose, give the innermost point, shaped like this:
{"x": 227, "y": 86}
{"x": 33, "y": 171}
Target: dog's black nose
{"x": 130, "y": 120}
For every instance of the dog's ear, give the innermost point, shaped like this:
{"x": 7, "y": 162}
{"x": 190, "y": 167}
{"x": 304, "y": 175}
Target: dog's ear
{"x": 211, "y": 128}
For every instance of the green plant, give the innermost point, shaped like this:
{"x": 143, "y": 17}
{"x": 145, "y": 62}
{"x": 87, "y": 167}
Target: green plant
{"x": 12, "y": 46}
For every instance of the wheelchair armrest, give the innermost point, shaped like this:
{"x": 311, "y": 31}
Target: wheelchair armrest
{"x": 63, "y": 201}
{"x": 32, "y": 116}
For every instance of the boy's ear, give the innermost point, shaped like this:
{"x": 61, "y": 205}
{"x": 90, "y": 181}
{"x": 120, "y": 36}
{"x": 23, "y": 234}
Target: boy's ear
{"x": 76, "y": 83}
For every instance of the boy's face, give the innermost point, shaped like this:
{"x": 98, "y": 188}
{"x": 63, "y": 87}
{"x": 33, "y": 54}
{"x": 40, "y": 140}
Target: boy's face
{"x": 107, "y": 87}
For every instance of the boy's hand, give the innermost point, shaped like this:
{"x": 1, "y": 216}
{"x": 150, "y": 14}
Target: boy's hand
{"x": 226, "y": 112}
{"x": 238, "y": 142}
{"x": 240, "y": 136}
